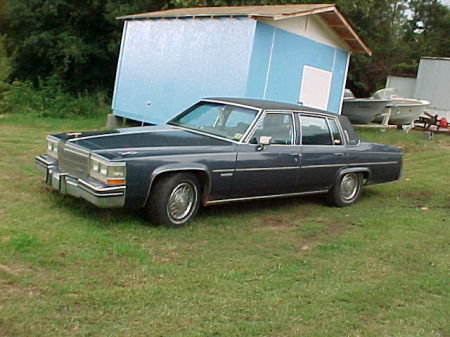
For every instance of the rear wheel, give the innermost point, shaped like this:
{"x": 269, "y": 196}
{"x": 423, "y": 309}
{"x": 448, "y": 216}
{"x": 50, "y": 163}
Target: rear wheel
{"x": 346, "y": 190}
{"x": 174, "y": 200}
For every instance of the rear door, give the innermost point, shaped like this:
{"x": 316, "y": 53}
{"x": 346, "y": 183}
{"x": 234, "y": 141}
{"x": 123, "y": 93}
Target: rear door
{"x": 323, "y": 152}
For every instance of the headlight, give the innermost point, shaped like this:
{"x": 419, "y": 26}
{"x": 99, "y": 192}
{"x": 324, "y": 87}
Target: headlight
{"x": 52, "y": 146}
{"x": 110, "y": 173}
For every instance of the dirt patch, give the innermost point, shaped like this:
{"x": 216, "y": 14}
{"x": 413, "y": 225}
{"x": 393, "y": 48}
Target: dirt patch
{"x": 161, "y": 254}
{"x": 420, "y": 196}
{"x": 292, "y": 217}
{"x": 14, "y": 270}
{"x": 12, "y": 289}
{"x": 331, "y": 229}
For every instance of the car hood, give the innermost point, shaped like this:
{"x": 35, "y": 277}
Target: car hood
{"x": 149, "y": 140}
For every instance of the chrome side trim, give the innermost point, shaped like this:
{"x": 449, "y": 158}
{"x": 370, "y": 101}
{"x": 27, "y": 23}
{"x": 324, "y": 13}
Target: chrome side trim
{"x": 226, "y": 174}
{"x": 383, "y": 153}
{"x": 269, "y": 168}
{"x": 375, "y": 163}
{"x": 356, "y": 164}
{"x": 214, "y": 202}
{"x": 324, "y": 165}
{"x": 223, "y": 170}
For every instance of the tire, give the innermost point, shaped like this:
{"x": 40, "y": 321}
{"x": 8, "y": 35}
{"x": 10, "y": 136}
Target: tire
{"x": 346, "y": 190}
{"x": 174, "y": 200}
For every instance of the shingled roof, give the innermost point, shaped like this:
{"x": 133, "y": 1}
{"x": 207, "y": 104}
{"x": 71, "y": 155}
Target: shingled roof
{"x": 328, "y": 12}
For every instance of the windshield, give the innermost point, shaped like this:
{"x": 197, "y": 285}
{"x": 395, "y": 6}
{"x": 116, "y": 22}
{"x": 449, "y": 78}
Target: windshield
{"x": 217, "y": 119}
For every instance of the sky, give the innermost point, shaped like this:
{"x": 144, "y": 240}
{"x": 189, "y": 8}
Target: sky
{"x": 447, "y": 2}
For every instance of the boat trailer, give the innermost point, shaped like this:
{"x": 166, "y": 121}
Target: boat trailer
{"x": 432, "y": 124}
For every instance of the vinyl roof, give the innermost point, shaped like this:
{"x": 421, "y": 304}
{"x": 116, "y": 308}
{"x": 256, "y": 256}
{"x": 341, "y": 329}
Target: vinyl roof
{"x": 328, "y": 12}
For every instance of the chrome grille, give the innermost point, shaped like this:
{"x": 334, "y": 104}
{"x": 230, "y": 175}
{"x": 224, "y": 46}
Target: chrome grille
{"x": 73, "y": 160}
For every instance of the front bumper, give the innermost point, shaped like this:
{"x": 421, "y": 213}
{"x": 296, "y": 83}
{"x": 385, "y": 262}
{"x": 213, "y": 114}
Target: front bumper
{"x": 86, "y": 188}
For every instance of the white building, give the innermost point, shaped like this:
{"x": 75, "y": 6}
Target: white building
{"x": 432, "y": 83}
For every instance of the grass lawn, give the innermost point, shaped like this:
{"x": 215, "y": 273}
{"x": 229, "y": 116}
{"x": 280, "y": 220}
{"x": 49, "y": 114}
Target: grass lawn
{"x": 292, "y": 267}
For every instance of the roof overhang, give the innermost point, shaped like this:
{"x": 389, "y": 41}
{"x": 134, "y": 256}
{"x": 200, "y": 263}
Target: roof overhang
{"x": 328, "y": 12}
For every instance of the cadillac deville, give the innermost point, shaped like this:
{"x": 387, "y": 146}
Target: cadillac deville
{"x": 219, "y": 150}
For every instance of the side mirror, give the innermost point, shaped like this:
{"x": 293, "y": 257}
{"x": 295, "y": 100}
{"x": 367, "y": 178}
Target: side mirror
{"x": 263, "y": 141}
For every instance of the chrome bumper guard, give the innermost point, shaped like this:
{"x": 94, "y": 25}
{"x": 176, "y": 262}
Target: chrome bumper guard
{"x": 88, "y": 189}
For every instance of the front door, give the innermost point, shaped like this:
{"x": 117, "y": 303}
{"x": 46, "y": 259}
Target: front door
{"x": 268, "y": 169}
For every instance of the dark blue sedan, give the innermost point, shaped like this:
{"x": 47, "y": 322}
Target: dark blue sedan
{"x": 219, "y": 150}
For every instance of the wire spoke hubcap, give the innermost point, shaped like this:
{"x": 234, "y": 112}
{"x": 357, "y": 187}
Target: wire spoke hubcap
{"x": 181, "y": 201}
{"x": 349, "y": 186}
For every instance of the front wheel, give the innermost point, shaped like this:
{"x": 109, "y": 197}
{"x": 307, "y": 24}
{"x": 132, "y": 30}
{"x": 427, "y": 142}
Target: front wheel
{"x": 174, "y": 200}
{"x": 346, "y": 190}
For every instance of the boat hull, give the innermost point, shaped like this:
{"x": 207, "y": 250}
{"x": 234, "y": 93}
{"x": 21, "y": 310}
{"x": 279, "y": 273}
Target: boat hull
{"x": 364, "y": 110}
{"x": 404, "y": 111}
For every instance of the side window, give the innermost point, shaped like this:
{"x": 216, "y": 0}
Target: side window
{"x": 337, "y": 139}
{"x": 279, "y": 126}
{"x": 315, "y": 131}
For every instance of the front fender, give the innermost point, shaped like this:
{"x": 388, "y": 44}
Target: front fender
{"x": 179, "y": 167}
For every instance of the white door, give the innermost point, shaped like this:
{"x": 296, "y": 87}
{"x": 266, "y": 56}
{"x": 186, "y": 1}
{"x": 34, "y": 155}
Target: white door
{"x": 315, "y": 87}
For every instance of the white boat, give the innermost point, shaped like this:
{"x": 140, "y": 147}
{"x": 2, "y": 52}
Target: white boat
{"x": 400, "y": 110}
{"x": 362, "y": 110}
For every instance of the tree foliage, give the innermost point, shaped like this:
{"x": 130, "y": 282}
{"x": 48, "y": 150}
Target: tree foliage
{"x": 76, "y": 42}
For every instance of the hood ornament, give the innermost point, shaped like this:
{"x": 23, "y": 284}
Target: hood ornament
{"x": 127, "y": 152}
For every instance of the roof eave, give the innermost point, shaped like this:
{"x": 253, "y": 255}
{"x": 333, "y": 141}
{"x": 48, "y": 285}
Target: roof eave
{"x": 343, "y": 29}
{"x": 329, "y": 13}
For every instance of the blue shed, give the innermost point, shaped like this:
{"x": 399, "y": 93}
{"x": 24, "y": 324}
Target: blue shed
{"x": 292, "y": 53}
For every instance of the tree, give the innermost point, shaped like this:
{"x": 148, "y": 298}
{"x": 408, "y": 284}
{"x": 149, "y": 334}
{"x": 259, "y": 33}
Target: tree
{"x": 428, "y": 29}
{"x": 76, "y": 42}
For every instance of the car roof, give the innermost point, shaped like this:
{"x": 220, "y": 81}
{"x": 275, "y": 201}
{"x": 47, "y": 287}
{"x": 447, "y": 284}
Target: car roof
{"x": 268, "y": 105}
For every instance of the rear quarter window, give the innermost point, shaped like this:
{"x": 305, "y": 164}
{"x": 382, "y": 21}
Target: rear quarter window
{"x": 352, "y": 138}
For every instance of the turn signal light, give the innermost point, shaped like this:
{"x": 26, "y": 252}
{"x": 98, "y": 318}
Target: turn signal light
{"x": 115, "y": 181}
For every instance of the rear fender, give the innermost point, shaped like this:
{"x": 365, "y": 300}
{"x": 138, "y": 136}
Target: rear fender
{"x": 364, "y": 170}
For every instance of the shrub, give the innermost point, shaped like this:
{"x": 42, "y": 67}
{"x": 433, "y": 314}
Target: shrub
{"x": 49, "y": 100}
{"x": 5, "y": 66}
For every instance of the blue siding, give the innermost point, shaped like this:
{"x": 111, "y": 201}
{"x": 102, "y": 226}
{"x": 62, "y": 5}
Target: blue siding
{"x": 287, "y": 56}
{"x": 260, "y": 60}
{"x": 167, "y": 65}
{"x": 174, "y": 63}
{"x": 338, "y": 80}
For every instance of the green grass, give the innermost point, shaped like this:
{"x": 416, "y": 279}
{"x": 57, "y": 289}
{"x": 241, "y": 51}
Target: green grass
{"x": 292, "y": 267}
